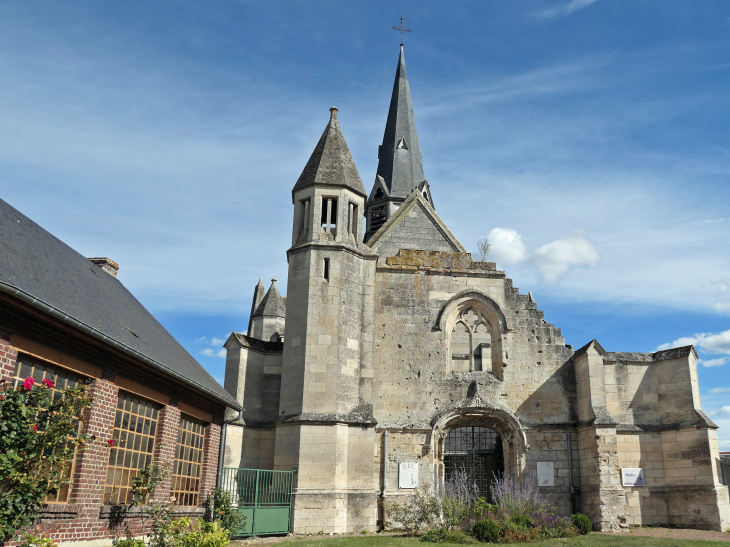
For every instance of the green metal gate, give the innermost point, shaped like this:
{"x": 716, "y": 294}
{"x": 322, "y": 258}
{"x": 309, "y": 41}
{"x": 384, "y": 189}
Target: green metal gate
{"x": 264, "y": 497}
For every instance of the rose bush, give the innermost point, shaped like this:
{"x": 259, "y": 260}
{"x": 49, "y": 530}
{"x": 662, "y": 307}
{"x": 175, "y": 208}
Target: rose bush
{"x": 38, "y": 437}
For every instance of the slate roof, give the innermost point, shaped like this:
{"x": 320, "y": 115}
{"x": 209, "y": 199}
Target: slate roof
{"x": 43, "y": 271}
{"x": 256, "y": 344}
{"x": 272, "y": 304}
{"x": 399, "y": 156}
{"x": 331, "y": 162}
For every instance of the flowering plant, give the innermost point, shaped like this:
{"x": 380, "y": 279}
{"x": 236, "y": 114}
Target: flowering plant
{"x": 38, "y": 437}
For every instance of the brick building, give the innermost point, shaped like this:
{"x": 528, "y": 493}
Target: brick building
{"x": 396, "y": 359}
{"x": 69, "y": 319}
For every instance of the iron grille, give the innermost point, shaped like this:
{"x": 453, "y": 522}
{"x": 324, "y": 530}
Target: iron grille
{"x": 477, "y": 451}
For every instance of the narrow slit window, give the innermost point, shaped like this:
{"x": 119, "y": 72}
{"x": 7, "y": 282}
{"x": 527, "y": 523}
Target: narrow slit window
{"x": 353, "y": 218}
{"x": 304, "y": 212}
{"x": 326, "y": 273}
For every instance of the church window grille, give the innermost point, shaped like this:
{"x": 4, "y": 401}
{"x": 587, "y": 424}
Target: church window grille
{"x": 188, "y": 465}
{"x": 39, "y": 371}
{"x": 135, "y": 427}
{"x": 329, "y": 214}
{"x": 471, "y": 342}
{"x": 476, "y": 451}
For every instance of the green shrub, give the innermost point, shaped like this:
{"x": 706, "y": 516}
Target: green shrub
{"x": 523, "y": 521}
{"x": 482, "y": 507}
{"x": 582, "y": 523}
{"x": 486, "y": 530}
{"x": 219, "y": 508}
{"x": 434, "y": 536}
{"x": 206, "y": 534}
{"x": 422, "y": 509}
{"x": 33, "y": 540}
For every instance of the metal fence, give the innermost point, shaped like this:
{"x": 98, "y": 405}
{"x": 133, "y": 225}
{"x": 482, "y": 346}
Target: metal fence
{"x": 263, "y": 496}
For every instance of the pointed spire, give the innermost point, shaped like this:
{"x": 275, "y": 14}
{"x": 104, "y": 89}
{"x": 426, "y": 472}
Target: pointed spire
{"x": 331, "y": 162}
{"x": 400, "y": 155}
{"x": 258, "y": 296}
{"x": 272, "y": 304}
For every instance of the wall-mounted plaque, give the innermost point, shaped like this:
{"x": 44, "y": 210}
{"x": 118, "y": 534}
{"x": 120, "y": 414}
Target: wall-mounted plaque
{"x": 545, "y": 474}
{"x": 632, "y": 476}
{"x": 408, "y": 475}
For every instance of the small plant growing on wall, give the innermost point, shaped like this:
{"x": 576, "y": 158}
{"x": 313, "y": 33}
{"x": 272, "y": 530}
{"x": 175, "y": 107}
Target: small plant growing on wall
{"x": 38, "y": 437}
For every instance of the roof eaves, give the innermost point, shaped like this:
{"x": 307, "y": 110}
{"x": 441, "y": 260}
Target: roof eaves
{"x": 66, "y": 318}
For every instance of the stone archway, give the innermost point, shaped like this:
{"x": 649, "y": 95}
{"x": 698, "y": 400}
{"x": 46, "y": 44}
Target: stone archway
{"x": 475, "y": 452}
{"x": 511, "y": 435}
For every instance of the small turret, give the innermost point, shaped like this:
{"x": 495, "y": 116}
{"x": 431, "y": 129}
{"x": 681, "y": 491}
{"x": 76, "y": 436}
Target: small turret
{"x": 258, "y": 296}
{"x": 267, "y": 321}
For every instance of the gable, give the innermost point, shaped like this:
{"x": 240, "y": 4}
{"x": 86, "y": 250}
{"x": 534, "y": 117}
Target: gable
{"x": 414, "y": 226}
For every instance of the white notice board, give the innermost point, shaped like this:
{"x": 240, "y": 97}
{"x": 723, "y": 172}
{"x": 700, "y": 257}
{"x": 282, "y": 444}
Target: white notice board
{"x": 632, "y": 476}
{"x": 545, "y": 473}
{"x": 408, "y": 475}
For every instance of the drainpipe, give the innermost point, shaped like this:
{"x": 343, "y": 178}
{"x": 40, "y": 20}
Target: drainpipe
{"x": 570, "y": 472}
{"x": 222, "y": 449}
{"x": 385, "y": 462}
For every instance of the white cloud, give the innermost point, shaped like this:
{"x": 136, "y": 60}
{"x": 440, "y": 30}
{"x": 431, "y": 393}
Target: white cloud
{"x": 556, "y": 258}
{"x": 722, "y": 307}
{"x": 714, "y": 344}
{"x": 208, "y": 352}
{"x": 713, "y": 362}
{"x": 722, "y": 288}
{"x": 565, "y": 9}
{"x": 720, "y": 390}
{"x": 507, "y": 246}
{"x": 724, "y": 443}
{"x": 217, "y": 342}
{"x": 724, "y": 411}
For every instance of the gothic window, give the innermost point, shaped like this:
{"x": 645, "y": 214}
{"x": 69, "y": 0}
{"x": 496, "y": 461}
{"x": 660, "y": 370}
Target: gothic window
{"x": 275, "y": 337}
{"x": 379, "y": 193}
{"x": 471, "y": 342}
{"x": 401, "y": 145}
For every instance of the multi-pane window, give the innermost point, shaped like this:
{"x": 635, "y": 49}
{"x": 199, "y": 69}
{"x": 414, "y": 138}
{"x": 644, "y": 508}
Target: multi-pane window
{"x": 39, "y": 371}
{"x": 188, "y": 461}
{"x": 135, "y": 426}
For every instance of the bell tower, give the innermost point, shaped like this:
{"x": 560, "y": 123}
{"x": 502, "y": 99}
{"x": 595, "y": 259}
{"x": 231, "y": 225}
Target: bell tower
{"x": 325, "y": 427}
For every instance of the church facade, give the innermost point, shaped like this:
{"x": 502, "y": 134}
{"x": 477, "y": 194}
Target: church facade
{"x": 396, "y": 359}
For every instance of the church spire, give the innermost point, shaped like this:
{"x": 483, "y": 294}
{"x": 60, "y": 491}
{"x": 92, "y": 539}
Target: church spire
{"x": 400, "y": 169}
{"x": 400, "y": 163}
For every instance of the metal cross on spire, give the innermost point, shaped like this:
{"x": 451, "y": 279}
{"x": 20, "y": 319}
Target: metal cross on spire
{"x": 401, "y": 29}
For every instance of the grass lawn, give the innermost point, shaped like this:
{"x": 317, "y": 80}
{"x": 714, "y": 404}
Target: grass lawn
{"x": 591, "y": 540}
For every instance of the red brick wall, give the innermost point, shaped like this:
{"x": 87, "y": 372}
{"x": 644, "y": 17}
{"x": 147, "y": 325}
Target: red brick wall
{"x": 8, "y": 355}
{"x": 165, "y": 443}
{"x": 212, "y": 444}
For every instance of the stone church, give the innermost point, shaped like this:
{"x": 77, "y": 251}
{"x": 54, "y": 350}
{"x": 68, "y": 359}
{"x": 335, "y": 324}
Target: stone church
{"x": 396, "y": 358}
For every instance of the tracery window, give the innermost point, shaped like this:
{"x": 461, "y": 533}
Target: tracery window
{"x": 471, "y": 342}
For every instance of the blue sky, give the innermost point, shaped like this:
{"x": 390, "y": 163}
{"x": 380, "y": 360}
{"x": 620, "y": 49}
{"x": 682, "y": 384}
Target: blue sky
{"x": 588, "y": 139}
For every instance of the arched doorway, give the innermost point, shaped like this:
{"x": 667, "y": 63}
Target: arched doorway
{"x": 479, "y": 452}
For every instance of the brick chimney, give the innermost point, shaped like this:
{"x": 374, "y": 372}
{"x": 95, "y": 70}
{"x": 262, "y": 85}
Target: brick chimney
{"x": 106, "y": 264}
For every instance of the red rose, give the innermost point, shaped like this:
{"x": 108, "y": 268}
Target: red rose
{"x": 28, "y": 383}
{"x": 47, "y": 383}
{"x": 35, "y": 428}
{"x": 2, "y": 397}
{"x": 111, "y": 442}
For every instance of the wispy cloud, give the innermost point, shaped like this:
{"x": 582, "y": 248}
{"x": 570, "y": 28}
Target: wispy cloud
{"x": 209, "y": 352}
{"x": 564, "y": 9}
{"x": 713, "y": 344}
{"x": 216, "y": 342}
{"x": 720, "y": 390}
{"x": 724, "y": 411}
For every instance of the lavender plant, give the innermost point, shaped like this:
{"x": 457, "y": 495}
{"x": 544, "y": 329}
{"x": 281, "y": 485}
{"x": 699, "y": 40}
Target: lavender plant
{"x": 457, "y": 497}
{"x": 515, "y": 497}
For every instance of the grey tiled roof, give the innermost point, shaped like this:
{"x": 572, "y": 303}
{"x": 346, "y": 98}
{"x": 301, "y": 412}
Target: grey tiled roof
{"x": 331, "y": 162}
{"x": 400, "y": 162}
{"x": 272, "y": 304}
{"x": 42, "y": 270}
